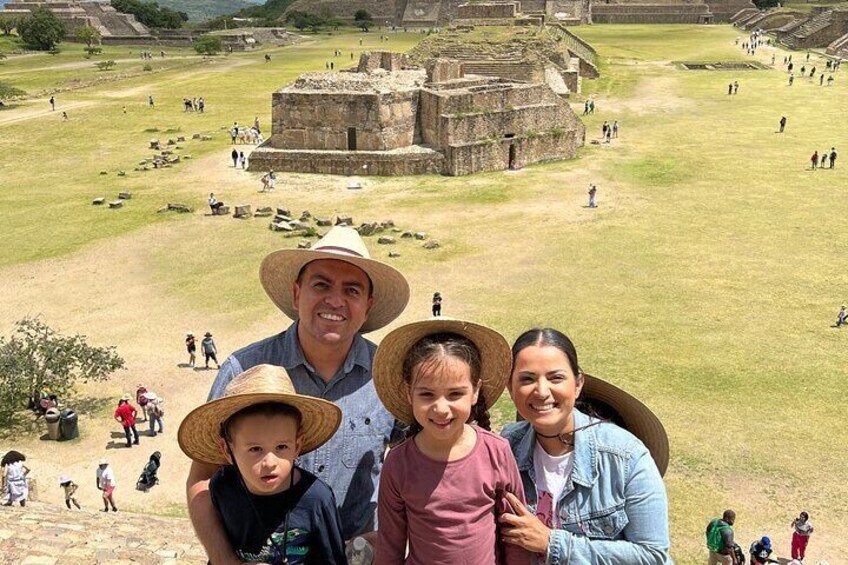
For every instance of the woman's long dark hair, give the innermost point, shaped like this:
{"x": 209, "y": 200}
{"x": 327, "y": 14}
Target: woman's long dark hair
{"x": 12, "y": 457}
{"x": 432, "y": 350}
{"x": 547, "y": 337}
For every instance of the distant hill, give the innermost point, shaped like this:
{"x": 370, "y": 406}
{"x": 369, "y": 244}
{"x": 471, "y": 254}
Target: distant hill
{"x": 203, "y": 10}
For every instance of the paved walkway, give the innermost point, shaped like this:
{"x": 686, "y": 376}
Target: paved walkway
{"x": 42, "y": 534}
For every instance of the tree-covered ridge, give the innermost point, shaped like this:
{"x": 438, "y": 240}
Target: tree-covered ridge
{"x": 205, "y": 10}
{"x": 151, "y": 14}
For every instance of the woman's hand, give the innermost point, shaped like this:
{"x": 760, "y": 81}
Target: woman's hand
{"x": 523, "y": 529}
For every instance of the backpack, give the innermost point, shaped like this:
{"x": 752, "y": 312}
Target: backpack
{"x": 714, "y": 540}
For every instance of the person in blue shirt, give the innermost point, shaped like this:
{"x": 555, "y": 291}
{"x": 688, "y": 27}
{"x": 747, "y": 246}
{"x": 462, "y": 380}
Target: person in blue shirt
{"x": 594, "y": 489}
{"x": 335, "y": 292}
{"x": 761, "y": 551}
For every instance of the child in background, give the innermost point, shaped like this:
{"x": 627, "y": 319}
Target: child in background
{"x": 272, "y": 511}
{"x": 437, "y": 304}
{"x": 441, "y": 489}
{"x": 70, "y": 487}
{"x": 801, "y": 535}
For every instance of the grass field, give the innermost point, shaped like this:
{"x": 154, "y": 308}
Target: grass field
{"x": 705, "y": 283}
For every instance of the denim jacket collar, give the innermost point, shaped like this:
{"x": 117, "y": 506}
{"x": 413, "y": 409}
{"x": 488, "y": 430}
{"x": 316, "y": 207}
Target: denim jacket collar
{"x": 585, "y": 471}
{"x": 293, "y": 354}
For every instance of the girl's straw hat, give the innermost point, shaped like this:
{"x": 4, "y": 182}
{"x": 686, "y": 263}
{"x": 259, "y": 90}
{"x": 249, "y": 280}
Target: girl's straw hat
{"x": 279, "y": 271}
{"x": 201, "y": 429}
{"x": 387, "y": 370}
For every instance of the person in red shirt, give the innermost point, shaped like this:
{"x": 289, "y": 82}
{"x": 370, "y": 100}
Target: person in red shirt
{"x": 125, "y": 413}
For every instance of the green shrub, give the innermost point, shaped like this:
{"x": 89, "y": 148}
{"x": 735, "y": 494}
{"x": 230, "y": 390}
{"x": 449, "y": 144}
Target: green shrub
{"x": 105, "y": 65}
{"x": 207, "y": 45}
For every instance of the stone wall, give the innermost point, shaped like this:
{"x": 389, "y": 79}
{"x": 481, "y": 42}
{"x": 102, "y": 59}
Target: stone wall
{"x": 819, "y": 31}
{"x": 495, "y": 155}
{"x": 517, "y": 70}
{"x": 386, "y": 60}
{"x": 321, "y": 120}
{"x": 381, "y": 10}
{"x": 650, "y": 13}
{"x": 348, "y": 163}
{"x": 487, "y": 10}
{"x": 443, "y": 70}
{"x": 724, "y": 10}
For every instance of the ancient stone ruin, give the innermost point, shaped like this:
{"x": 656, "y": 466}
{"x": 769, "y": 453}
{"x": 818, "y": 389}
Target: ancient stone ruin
{"x": 76, "y": 14}
{"x": 387, "y": 120}
{"x": 822, "y": 28}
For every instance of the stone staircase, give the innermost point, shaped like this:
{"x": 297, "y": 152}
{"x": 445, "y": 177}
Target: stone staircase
{"x": 578, "y": 48}
{"x": 817, "y": 31}
{"x": 724, "y": 10}
{"x": 839, "y": 47}
{"x": 743, "y": 15}
{"x": 43, "y": 534}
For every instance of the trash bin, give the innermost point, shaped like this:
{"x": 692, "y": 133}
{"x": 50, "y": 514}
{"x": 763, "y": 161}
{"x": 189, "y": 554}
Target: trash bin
{"x": 52, "y": 419}
{"x": 68, "y": 424}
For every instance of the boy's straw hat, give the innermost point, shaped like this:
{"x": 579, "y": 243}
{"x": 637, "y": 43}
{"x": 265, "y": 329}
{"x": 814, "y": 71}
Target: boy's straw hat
{"x": 201, "y": 429}
{"x": 279, "y": 271}
{"x": 387, "y": 369}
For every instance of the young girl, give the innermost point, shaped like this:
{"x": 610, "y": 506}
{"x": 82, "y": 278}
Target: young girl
{"x": 441, "y": 489}
{"x": 70, "y": 488}
{"x": 801, "y": 535}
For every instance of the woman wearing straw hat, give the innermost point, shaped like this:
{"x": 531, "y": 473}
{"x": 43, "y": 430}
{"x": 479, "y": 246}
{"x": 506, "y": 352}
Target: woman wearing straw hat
{"x": 594, "y": 489}
{"x": 335, "y": 292}
{"x": 272, "y": 511}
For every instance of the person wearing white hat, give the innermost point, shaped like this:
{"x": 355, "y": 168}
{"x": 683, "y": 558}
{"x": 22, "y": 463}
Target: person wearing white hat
{"x": 334, "y": 292}
{"x": 155, "y": 412}
{"x": 106, "y": 484}
{"x": 594, "y": 488}
{"x": 70, "y": 488}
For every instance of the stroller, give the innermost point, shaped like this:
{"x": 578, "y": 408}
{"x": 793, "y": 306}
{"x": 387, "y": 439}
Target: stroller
{"x": 141, "y": 400}
{"x": 149, "y": 476}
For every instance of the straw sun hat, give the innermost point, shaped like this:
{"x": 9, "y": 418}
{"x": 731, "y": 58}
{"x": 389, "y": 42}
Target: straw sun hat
{"x": 279, "y": 271}
{"x": 201, "y": 429}
{"x": 630, "y": 413}
{"x": 388, "y": 361}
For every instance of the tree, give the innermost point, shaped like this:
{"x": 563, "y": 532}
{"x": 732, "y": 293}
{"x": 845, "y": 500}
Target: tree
{"x": 208, "y": 45}
{"x": 150, "y": 14}
{"x": 105, "y": 65}
{"x": 88, "y": 35}
{"x": 41, "y": 30}
{"x": 304, "y": 20}
{"x": 363, "y": 19}
{"x": 8, "y": 22}
{"x": 36, "y": 355}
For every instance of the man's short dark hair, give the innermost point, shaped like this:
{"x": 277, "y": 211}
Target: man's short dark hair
{"x": 729, "y": 516}
{"x": 302, "y": 270}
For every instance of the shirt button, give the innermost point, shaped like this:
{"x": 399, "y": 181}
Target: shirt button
{"x": 608, "y": 528}
{"x": 320, "y": 468}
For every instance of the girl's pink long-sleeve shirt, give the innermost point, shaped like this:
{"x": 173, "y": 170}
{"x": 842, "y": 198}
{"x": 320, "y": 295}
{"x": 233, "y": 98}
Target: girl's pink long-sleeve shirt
{"x": 446, "y": 510}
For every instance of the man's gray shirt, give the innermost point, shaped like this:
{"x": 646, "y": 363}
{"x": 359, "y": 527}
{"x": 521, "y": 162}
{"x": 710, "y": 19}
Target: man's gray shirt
{"x": 350, "y": 463}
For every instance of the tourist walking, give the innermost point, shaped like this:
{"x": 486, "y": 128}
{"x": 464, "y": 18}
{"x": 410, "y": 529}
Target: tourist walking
{"x": 64, "y": 116}
{"x": 615, "y": 129}
{"x": 126, "y": 414}
{"x": 791, "y": 79}
{"x": 593, "y": 190}
{"x": 272, "y": 180}
{"x": 802, "y": 527}
{"x": 210, "y": 351}
{"x": 191, "y": 348}
{"x": 15, "y": 487}
{"x": 576, "y": 468}
{"x": 106, "y": 484}
{"x": 823, "y": 159}
{"x": 155, "y": 412}
{"x": 437, "y": 304}
{"x": 735, "y": 87}
{"x": 814, "y": 160}
{"x": 235, "y": 157}
{"x": 70, "y": 488}
{"x": 832, "y": 157}
{"x": 720, "y": 539}
{"x": 842, "y": 317}
{"x": 52, "y": 104}
{"x": 150, "y": 101}
{"x": 591, "y": 106}
{"x": 782, "y": 123}
{"x": 729, "y": 89}
{"x": 242, "y": 160}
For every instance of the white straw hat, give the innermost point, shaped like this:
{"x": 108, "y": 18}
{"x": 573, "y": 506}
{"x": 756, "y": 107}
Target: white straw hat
{"x": 387, "y": 369}
{"x": 200, "y": 431}
{"x": 280, "y": 269}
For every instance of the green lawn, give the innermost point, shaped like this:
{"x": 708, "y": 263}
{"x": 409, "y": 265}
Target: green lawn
{"x": 705, "y": 283}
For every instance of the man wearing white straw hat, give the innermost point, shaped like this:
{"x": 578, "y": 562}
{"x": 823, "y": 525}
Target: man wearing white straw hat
{"x": 334, "y": 292}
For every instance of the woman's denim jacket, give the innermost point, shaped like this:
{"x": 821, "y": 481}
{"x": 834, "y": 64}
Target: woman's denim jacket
{"x": 614, "y": 508}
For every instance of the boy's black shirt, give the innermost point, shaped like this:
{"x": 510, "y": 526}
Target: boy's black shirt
{"x": 314, "y": 529}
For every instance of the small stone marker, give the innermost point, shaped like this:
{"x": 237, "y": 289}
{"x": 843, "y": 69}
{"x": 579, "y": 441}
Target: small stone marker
{"x": 221, "y": 211}
{"x": 181, "y": 138}
{"x": 154, "y": 144}
{"x": 304, "y": 244}
{"x": 181, "y": 208}
{"x": 122, "y": 173}
{"x": 406, "y": 235}
{"x": 98, "y": 201}
{"x": 367, "y": 229}
{"x": 143, "y": 162}
{"x": 195, "y": 136}
{"x": 284, "y": 212}
{"x": 432, "y": 244}
{"x": 282, "y": 218}
{"x": 305, "y": 215}
{"x": 171, "y": 142}
{"x": 387, "y": 224}
{"x": 393, "y": 254}
{"x": 386, "y": 240}
{"x": 281, "y": 226}
{"x": 354, "y": 185}
{"x": 263, "y": 212}
{"x": 116, "y": 204}
{"x": 125, "y": 195}
{"x": 243, "y": 211}
{"x": 104, "y": 172}
{"x": 344, "y": 220}
{"x": 186, "y": 156}
{"x": 323, "y": 222}
{"x": 420, "y": 235}
{"x": 205, "y": 138}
